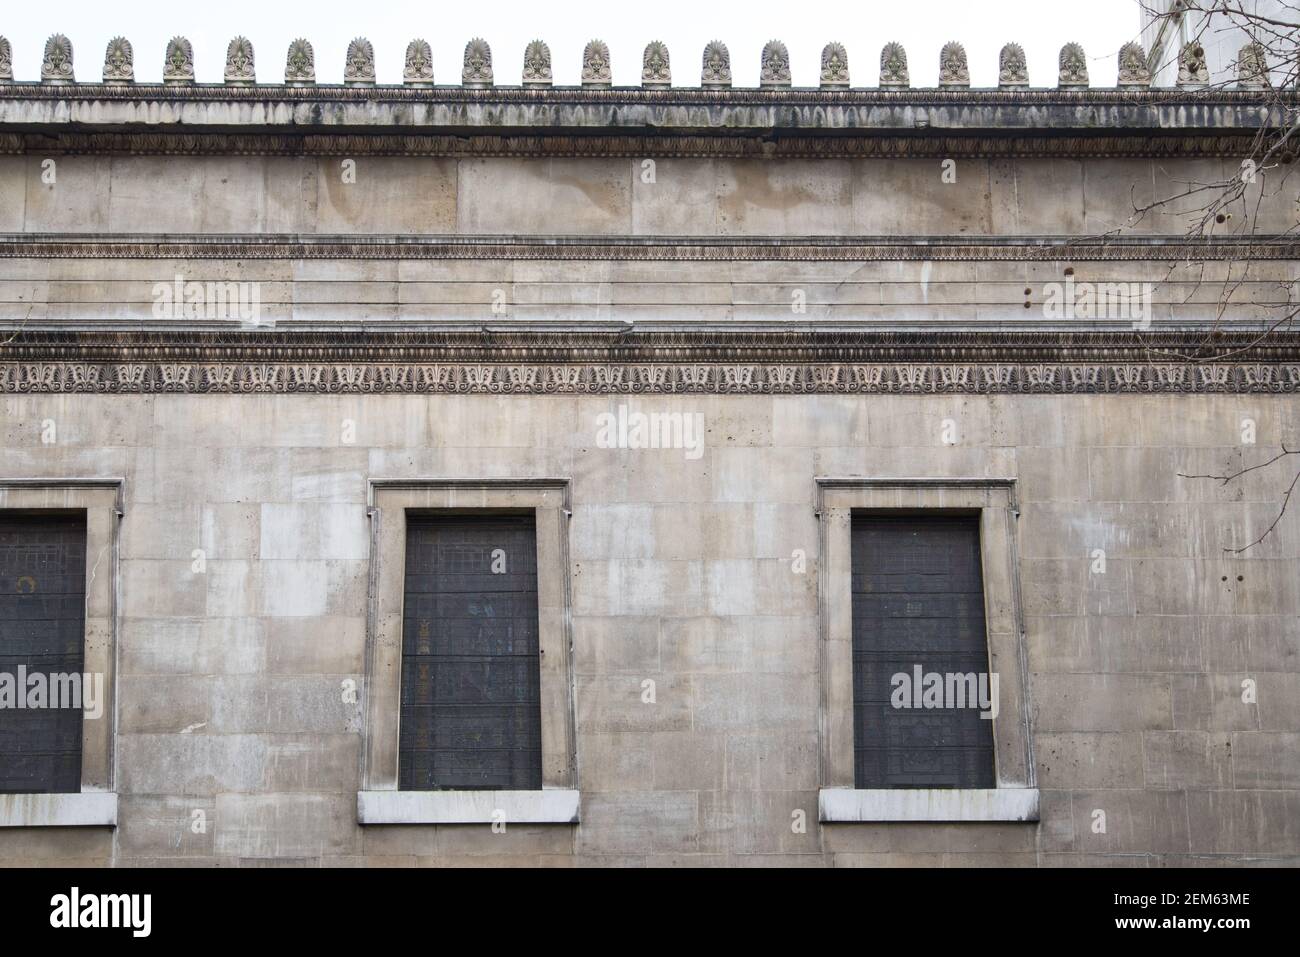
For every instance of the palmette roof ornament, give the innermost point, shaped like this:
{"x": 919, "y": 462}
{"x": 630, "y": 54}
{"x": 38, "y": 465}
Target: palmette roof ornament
{"x": 359, "y": 65}
{"x": 1013, "y": 71}
{"x": 56, "y": 65}
{"x": 537, "y": 64}
{"x": 1193, "y": 72}
{"x": 300, "y": 64}
{"x": 419, "y": 64}
{"x": 1133, "y": 70}
{"x": 595, "y": 65}
{"x": 1252, "y": 67}
{"x": 1073, "y": 66}
{"x": 119, "y": 62}
{"x": 954, "y": 71}
{"x": 893, "y": 67}
{"x": 656, "y": 72}
{"x": 835, "y": 66}
{"x": 178, "y": 62}
{"x": 774, "y": 66}
{"x": 476, "y": 73}
{"x": 239, "y": 63}
{"x": 716, "y": 73}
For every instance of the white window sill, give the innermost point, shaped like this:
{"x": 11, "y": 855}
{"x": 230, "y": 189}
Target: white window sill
{"x": 89, "y": 809}
{"x": 927, "y": 804}
{"x": 467, "y": 807}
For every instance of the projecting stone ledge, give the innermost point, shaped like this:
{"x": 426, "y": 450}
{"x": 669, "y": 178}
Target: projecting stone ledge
{"x": 496, "y": 110}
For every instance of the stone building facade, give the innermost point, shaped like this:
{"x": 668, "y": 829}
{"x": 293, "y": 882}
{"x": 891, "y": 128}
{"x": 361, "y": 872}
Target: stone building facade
{"x": 253, "y": 331}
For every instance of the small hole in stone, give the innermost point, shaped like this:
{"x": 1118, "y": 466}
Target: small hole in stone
{"x": 1069, "y": 270}
{"x": 1240, "y": 578}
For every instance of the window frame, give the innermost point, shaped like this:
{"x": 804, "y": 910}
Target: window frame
{"x": 102, "y": 502}
{"x": 1015, "y": 797}
{"x": 478, "y": 530}
{"x": 381, "y": 801}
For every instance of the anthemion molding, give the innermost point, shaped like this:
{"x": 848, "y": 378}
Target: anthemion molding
{"x": 668, "y": 114}
{"x": 680, "y": 362}
{"x": 656, "y": 73}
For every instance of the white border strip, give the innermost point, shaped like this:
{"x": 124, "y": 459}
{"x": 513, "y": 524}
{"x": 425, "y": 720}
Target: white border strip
{"x": 927, "y": 804}
{"x": 558, "y": 806}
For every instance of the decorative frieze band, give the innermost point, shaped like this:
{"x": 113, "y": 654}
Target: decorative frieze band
{"x": 642, "y": 378}
{"x": 656, "y": 249}
{"x": 642, "y": 362}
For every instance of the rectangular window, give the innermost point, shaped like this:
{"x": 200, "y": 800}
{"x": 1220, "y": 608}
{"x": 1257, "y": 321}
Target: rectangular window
{"x": 42, "y": 644}
{"x": 918, "y": 613}
{"x": 471, "y": 675}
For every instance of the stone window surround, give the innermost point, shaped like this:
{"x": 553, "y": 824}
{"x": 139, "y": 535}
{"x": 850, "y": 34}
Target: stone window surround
{"x": 994, "y": 500}
{"x": 380, "y": 801}
{"x": 101, "y": 499}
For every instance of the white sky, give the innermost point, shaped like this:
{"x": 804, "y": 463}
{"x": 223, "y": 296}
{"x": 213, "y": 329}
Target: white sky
{"x": 805, "y": 26}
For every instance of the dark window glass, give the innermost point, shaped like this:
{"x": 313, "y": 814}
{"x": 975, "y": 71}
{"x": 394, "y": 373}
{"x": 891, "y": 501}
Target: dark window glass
{"x": 42, "y": 639}
{"x": 918, "y": 610}
{"x": 471, "y": 711}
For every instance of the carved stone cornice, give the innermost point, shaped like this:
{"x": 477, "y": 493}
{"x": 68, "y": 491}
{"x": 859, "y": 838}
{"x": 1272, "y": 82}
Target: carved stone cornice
{"x": 651, "y": 249}
{"x": 616, "y": 363}
{"x": 878, "y": 145}
{"x": 600, "y": 122}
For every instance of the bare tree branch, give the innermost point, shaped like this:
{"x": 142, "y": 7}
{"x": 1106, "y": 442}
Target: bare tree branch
{"x": 1225, "y": 478}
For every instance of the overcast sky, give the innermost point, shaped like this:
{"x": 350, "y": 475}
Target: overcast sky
{"x": 863, "y": 26}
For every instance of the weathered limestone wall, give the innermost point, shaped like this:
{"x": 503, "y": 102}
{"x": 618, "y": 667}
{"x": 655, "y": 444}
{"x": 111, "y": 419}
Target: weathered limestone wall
{"x": 610, "y": 197}
{"x": 230, "y": 679}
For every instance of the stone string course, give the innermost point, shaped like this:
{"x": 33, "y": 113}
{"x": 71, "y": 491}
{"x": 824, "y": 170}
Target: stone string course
{"x": 57, "y": 66}
{"x": 664, "y": 249}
